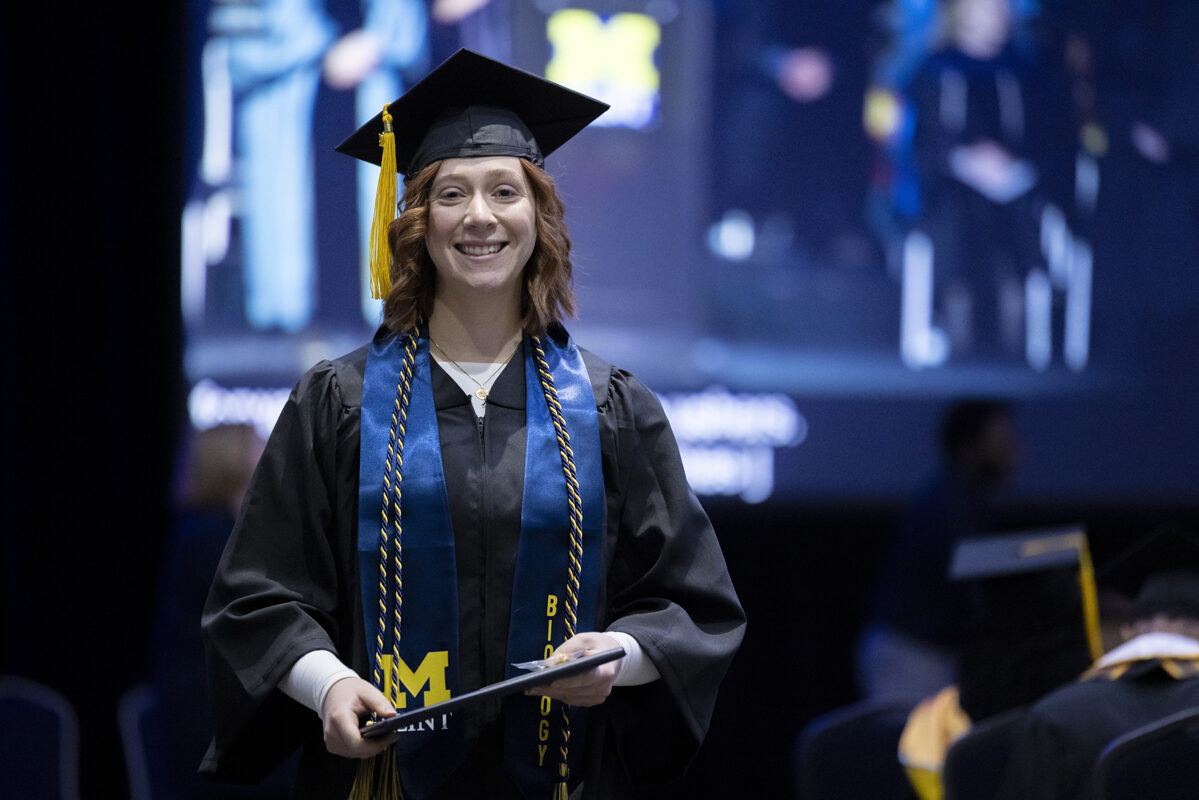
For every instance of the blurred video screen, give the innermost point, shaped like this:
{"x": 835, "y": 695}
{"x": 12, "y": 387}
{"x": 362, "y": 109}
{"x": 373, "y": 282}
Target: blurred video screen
{"x": 806, "y": 225}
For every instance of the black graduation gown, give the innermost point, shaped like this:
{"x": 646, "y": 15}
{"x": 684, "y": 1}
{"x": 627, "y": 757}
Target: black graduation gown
{"x": 288, "y": 582}
{"x": 1060, "y": 739}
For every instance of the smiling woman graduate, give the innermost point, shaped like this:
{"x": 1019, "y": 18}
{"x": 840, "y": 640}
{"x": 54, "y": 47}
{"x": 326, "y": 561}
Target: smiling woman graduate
{"x": 469, "y": 491}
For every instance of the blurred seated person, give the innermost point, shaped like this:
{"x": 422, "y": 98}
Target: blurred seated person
{"x": 910, "y": 647}
{"x": 1030, "y": 625}
{"x": 1152, "y": 675}
{"x": 214, "y": 479}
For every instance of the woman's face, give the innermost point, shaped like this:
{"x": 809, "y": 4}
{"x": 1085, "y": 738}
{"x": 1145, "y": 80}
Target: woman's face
{"x": 482, "y": 226}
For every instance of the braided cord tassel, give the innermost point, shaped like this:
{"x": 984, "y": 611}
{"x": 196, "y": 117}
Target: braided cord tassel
{"x": 377, "y": 778}
{"x": 574, "y": 565}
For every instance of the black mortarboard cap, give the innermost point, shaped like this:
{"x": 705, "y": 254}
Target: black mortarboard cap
{"x": 1159, "y": 572}
{"x": 471, "y": 106}
{"x": 1032, "y": 615}
{"x": 1019, "y": 552}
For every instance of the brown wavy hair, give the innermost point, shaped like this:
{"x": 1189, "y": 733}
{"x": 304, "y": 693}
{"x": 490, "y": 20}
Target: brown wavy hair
{"x": 547, "y": 292}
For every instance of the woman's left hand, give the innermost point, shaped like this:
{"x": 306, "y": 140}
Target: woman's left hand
{"x": 589, "y": 688}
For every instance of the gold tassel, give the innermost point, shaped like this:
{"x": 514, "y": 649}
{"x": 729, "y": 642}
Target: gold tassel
{"x": 377, "y": 779}
{"x": 1090, "y": 600}
{"x": 560, "y": 790}
{"x": 385, "y": 213}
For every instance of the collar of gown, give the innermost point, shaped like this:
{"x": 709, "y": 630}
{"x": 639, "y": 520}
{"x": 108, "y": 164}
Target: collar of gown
{"x": 508, "y": 391}
{"x": 1151, "y": 645}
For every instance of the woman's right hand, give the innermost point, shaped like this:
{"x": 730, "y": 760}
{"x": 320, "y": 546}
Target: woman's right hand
{"x": 347, "y": 701}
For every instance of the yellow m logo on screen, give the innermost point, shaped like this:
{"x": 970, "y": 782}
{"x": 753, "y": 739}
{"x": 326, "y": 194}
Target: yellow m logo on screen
{"x": 431, "y": 673}
{"x": 610, "y": 58}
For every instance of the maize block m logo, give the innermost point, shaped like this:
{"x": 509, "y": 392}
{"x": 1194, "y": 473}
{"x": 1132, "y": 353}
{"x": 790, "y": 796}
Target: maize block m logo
{"x": 430, "y": 673}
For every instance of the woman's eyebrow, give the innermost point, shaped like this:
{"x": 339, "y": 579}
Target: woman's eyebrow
{"x": 497, "y": 172}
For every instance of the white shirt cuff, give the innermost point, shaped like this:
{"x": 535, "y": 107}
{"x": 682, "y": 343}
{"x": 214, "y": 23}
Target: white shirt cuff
{"x": 312, "y": 676}
{"x": 635, "y": 667}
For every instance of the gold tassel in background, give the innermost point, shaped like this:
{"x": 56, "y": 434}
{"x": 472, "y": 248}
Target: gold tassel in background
{"x": 1090, "y": 600}
{"x": 385, "y": 212}
{"x": 377, "y": 778}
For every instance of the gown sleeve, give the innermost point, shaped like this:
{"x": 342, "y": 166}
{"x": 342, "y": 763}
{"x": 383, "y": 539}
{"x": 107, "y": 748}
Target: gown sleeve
{"x": 279, "y": 591}
{"x": 668, "y": 587}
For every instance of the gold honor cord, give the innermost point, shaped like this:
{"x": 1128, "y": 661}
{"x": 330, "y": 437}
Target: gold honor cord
{"x": 575, "y": 560}
{"x": 377, "y": 778}
{"x": 395, "y": 450}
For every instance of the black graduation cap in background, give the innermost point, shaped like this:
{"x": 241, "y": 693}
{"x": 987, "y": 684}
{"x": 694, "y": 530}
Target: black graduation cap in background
{"x": 471, "y": 105}
{"x": 1159, "y": 572}
{"x": 1032, "y": 616}
{"x": 1019, "y": 552}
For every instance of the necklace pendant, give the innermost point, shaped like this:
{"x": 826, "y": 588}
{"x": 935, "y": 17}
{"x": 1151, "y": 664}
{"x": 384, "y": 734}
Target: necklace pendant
{"x": 481, "y": 393}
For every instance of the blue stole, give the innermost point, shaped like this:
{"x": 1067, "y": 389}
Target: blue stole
{"x": 429, "y": 623}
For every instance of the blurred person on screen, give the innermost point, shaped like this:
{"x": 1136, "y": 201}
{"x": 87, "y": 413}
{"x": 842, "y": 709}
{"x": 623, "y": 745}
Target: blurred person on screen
{"x": 991, "y": 139}
{"x": 1144, "y": 69}
{"x": 797, "y": 70}
{"x": 263, "y": 64}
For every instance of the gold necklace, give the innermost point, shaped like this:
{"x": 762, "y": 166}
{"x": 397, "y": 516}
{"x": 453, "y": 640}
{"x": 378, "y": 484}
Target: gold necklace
{"x": 481, "y": 392}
